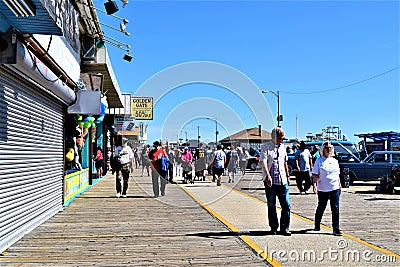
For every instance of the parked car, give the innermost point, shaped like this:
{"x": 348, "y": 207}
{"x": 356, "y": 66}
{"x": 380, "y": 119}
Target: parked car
{"x": 344, "y": 151}
{"x": 375, "y": 165}
{"x": 253, "y": 160}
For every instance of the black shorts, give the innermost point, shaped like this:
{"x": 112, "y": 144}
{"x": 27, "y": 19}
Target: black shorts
{"x": 99, "y": 164}
{"x": 218, "y": 171}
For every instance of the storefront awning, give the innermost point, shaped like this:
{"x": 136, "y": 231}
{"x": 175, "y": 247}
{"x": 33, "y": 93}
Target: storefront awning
{"x": 102, "y": 65}
{"x": 36, "y": 16}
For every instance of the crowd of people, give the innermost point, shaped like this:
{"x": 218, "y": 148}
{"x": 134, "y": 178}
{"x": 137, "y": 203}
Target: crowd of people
{"x": 184, "y": 164}
{"x": 165, "y": 163}
{"x": 192, "y": 164}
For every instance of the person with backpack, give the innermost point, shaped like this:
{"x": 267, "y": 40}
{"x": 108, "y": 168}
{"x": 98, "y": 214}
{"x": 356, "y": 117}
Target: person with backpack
{"x": 159, "y": 169}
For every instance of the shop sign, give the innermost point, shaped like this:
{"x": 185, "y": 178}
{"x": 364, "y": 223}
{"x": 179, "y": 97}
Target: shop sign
{"x": 142, "y": 108}
{"x": 125, "y": 125}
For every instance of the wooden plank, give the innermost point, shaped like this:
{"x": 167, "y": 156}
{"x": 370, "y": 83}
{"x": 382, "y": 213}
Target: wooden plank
{"x": 99, "y": 229}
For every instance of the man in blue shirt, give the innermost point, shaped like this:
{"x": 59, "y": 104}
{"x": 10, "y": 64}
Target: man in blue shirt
{"x": 275, "y": 173}
{"x": 218, "y": 163}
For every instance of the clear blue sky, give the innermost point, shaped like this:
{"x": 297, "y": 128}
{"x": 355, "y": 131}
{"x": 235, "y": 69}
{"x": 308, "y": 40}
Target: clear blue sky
{"x": 212, "y": 58}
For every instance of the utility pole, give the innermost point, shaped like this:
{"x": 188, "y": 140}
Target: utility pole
{"x": 279, "y": 118}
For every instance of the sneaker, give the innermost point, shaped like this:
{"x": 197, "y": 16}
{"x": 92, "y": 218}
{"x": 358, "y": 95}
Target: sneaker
{"x": 286, "y": 232}
{"x": 124, "y": 196}
{"x": 302, "y": 193}
{"x": 118, "y": 195}
{"x": 337, "y": 232}
{"x": 273, "y": 232}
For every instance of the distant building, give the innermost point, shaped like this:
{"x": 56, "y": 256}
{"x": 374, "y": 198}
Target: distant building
{"x": 329, "y": 133}
{"x": 252, "y": 137}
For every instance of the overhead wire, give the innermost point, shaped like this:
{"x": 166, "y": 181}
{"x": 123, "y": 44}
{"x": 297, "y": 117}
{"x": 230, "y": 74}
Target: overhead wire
{"x": 341, "y": 87}
{"x": 337, "y": 88}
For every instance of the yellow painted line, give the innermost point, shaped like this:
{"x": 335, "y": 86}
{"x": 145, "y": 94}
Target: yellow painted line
{"x": 256, "y": 248}
{"x": 385, "y": 251}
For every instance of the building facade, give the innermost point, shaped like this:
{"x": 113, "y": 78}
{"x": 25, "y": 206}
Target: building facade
{"x": 46, "y": 54}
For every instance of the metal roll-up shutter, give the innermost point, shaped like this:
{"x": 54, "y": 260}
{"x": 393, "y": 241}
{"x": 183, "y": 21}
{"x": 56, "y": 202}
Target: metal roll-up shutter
{"x": 31, "y": 156}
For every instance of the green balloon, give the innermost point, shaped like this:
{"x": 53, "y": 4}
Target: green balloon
{"x": 81, "y": 123}
{"x": 91, "y": 119}
{"x": 79, "y": 117}
{"x": 87, "y": 124}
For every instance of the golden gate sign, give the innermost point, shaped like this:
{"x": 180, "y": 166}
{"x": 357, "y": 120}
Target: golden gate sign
{"x": 142, "y": 108}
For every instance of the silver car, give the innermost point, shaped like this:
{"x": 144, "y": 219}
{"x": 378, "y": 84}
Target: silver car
{"x": 375, "y": 165}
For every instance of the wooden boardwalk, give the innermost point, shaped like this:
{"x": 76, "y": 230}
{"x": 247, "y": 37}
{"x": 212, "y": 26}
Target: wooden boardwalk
{"x": 97, "y": 229}
{"x": 365, "y": 214}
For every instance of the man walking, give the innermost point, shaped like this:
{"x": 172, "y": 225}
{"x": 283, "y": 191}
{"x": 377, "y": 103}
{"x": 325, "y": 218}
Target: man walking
{"x": 157, "y": 173}
{"x": 276, "y": 180}
{"x": 217, "y": 164}
{"x": 303, "y": 164}
{"x": 125, "y": 158}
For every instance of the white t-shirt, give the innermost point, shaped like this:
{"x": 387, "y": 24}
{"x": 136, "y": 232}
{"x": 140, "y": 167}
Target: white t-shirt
{"x": 303, "y": 156}
{"x": 328, "y": 171}
{"x": 125, "y": 153}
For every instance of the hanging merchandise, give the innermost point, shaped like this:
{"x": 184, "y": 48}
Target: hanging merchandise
{"x": 70, "y": 154}
{"x": 93, "y": 135}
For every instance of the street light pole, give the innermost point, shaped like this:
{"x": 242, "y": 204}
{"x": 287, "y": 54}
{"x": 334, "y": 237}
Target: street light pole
{"x": 185, "y": 135}
{"x": 198, "y": 136}
{"x": 279, "y": 117}
{"x": 216, "y": 129}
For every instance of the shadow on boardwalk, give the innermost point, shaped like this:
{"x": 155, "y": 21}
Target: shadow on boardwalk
{"x": 98, "y": 229}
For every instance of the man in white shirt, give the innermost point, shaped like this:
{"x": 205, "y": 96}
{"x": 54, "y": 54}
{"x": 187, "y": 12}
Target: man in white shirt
{"x": 275, "y": 173}
{"x": 126, "y": 159}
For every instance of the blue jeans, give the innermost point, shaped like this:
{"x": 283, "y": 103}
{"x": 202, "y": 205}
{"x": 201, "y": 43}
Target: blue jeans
{"x": 282, "y": 192}
{"x": 323, "y": 197}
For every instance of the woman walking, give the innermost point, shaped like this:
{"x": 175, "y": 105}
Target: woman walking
{"x": 326, "y": 184}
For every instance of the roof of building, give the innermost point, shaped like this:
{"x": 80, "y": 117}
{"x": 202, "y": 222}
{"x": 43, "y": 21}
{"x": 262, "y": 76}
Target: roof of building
{"x": 382, "y": 136}
{"x": 251, "y": 134}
